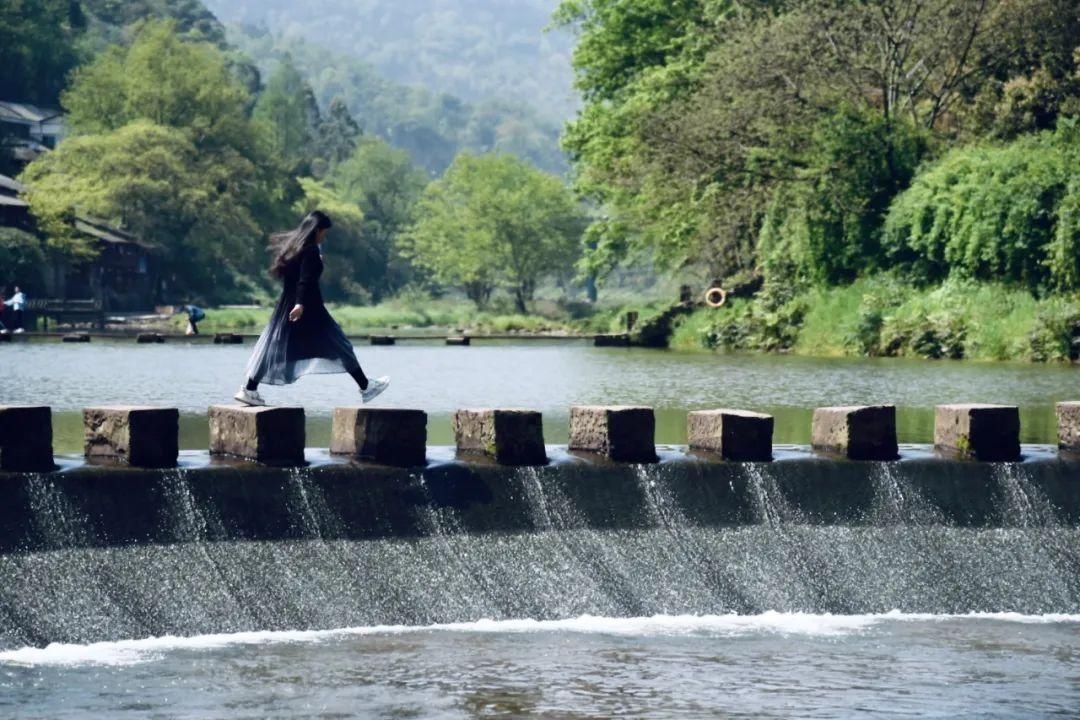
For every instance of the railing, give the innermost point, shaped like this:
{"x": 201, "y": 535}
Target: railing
{"x": 67, "y": 309}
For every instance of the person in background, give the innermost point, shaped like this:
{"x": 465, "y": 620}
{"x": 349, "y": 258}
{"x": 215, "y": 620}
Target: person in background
{"x": 3, "y": 306}
{"x": 301, "y": 337}
{"x": 17, "y": 303}
{"x": 195, "y": 315}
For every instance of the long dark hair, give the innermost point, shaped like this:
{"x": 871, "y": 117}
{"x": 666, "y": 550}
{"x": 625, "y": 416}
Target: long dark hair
{"x": 287, "y": 246}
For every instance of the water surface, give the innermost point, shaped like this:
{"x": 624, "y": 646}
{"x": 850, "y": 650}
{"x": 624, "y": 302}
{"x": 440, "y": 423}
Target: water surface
{"x": 546, "y": 376}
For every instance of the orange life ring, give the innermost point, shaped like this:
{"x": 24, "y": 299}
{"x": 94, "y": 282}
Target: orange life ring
{"x": 715, "y": 297}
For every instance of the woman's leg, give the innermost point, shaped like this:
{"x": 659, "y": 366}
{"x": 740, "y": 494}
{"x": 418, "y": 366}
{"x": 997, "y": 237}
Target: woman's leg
{"x": 360, "y": 378}
{"x": 252, "y": 385}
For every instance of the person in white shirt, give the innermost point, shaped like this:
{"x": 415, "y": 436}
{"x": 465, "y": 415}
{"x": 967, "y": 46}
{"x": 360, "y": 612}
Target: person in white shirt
{"x": 17, "y": 302}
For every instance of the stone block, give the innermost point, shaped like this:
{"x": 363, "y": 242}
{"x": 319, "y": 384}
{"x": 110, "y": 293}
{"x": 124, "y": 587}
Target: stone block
{"x": 75, "y": 338}
{"x": 978, "y": 432}
{"x": 856, "y": 432}
{"x": 622, "y": 433}
{"x": 149, "y": 338}
{"x": 5, "y": 336}
{"x": 732, "y": 434}
{"x": 26, "y": 438}
{"x": 383, "y": 340}
{"x": 268, "y": 435}
{"x": 511, "y": 437}
{"x": 1068, "y": 417}
{"x": 459, "y": 341}
{"x": 138, "y": 436}
{"x": 383, "y": 435}
{"x": 228, "y": 339}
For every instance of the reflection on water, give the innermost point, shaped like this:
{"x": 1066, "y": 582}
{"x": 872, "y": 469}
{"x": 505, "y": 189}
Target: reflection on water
{"x": 547, "y": 376}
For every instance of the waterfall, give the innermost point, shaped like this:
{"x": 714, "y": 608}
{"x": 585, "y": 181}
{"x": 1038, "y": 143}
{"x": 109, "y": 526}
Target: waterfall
{"x": 289, "y": 549}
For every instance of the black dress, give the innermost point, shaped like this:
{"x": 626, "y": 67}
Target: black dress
{"x": 315, "y": 344}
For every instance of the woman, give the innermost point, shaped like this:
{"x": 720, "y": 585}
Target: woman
{"x": 301, "y": 337}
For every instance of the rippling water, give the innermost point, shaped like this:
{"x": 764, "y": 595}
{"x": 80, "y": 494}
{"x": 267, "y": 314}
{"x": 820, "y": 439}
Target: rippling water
{"x": 766, "y": 666}
{"x": 546, "y": 376}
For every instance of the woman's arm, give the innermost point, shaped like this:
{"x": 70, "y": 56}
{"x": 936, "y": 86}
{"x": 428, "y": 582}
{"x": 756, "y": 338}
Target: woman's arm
{"x": 308, "y": 283}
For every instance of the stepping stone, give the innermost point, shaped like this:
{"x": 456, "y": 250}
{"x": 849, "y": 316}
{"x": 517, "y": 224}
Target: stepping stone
{"x": 26, "y": 438}
{"x": 75, "y": 338}
{"x": 149, "y": 338}
{"x": 510, "y": 437}
{"x": 383, "y": 340}
{"x": 134, "y": 435}
{"x": 382, "y": 435}
{"x": 1068, "y": 417}
{"x": 228, "y": 339}
{"x": 978, "y": 432}
{"x": 459, "y": 341}
{"x": 621, "y": 433}
{"x": 267, "y": 435}
{"x": 732, "y": 434}
{"x": 857, "y": 432}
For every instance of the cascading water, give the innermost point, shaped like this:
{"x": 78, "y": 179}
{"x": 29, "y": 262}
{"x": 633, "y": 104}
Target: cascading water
{"x": 679, "y": 542}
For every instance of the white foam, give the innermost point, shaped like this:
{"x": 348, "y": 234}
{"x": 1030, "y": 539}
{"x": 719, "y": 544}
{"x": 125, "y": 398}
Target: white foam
{"x": 129, "y": 652}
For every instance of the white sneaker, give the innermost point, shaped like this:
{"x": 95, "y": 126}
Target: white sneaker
{"x": 249, "y": 397}
{"x": 19, "y": 330}
{"x": 375, "y": 388}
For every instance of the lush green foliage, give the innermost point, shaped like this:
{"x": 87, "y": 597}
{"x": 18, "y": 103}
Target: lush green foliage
{"x": 707, "y": 121}
{"x": 884, "y": 316}
{"x": 1008, "y": 213}
{"x": 155, "y": 181}
{"x": 38, "y": 48}
{"x": 21, "y": 257}
{"x": 494, "y": 220}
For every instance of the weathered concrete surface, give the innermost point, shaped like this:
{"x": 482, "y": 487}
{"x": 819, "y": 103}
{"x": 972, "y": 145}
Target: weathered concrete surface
{"x": 978, "y": 432}
{"x": 857, "y": 432}
{"x": 1068, "y": 417}
{"x": 140, "y": 436}
{"x": 733, "y": 434}
{"x": 511, "y": 437}
{"x": 621, "y": 433}
{"x": 268, "y": 435}
{"x": 26, "y": 438}
{"x": 387, "y": 436}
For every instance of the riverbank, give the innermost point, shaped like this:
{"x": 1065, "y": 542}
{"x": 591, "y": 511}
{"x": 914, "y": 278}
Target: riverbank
{"x": 444, "y": 316}
{"x": 884, "y": 317}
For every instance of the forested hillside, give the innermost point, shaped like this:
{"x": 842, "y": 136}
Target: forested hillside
{"x": 433, "y": 127}
{"x": 478, "y": 50}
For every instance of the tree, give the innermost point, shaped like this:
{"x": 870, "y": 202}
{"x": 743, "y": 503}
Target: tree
{"x": 701, "y": 117}
{"x": 491, "y": 220}
{"x": 38, "y": 48}
{"x": 288, "y": 111}
{"x": 349, "y": 257}
{"x": 154, "y": 182}
{"x": 385, "y": 184}
{"x": 338, "y": 133}
{"x": 168, "y": 81}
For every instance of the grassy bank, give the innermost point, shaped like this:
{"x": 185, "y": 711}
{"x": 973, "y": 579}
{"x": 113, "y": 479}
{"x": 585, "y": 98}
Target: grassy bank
{"x": 445, "y": 315}
{"x": 884, "y": 317}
